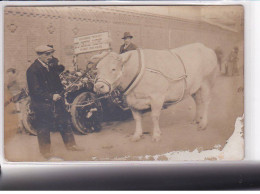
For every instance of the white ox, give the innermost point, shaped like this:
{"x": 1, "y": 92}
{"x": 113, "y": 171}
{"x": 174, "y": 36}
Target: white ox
{"x": 163, "y": 76}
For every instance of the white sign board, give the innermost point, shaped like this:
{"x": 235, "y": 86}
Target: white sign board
{"x": 94, "y": 42}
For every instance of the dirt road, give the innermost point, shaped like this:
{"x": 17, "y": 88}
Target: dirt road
{"x": 178, "y": 134}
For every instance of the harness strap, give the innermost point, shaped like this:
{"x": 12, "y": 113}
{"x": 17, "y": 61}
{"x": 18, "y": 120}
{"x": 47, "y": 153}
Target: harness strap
{"x": 105, "y": 82}
{"x": 142, "y": 68}
{"x": 185, "y": 74}
{"x": 168, "y": 78}
{"x": 183, "y": 77}
{"x": 140, "y": 72}
{"x": 97, "y": 79}
{"x": 138, "y": 75}
{"x": 134, "y": 81}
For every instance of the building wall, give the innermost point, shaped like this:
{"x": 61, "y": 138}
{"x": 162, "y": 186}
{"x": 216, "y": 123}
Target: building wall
{"x": 27, "y": 27}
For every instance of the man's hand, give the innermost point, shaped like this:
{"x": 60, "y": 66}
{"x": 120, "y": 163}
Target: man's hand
{"x": 56, "y": 97}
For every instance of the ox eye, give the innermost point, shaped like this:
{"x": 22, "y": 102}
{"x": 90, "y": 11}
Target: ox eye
{"x": 113, "y": 69}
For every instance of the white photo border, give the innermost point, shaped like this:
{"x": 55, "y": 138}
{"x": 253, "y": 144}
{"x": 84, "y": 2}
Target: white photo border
{"x": 252, "y": 70}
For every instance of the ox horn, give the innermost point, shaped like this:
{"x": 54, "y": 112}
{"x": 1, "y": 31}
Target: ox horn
{"x": 96, "y": 58}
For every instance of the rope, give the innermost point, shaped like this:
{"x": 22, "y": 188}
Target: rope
{"x": 139, "y": 74}
{"x": 183, "y": 77}
{"x": 168, "y": 78}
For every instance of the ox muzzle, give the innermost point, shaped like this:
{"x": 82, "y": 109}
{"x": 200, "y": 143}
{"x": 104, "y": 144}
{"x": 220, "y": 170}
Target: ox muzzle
{"x": 102, "y": 86}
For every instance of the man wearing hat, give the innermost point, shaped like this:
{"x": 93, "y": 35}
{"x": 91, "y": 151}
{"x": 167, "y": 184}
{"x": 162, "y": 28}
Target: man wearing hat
{"x": 46, "y": 93}
{"x": 128, "y": 45}
{"x": 232, "y": 66}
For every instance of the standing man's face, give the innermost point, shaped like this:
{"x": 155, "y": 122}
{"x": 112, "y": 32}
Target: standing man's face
{"x": 11, "y": 75}
{"x": 46, "y": 57}
{"x": 127, "y": 40}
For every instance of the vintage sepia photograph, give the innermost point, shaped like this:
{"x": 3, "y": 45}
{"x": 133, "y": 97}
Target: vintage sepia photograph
{"x": 124, "y": 83}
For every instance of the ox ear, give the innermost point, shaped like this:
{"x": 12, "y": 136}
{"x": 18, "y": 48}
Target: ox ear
{"x": 125, "y": 57}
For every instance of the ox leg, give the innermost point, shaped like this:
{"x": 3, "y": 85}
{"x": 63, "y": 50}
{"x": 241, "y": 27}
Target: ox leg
{"x": 156, "y": 106}
{"x": 199, "y": 108}
{"x": 202, "y": 99}
{"x": 138, "y": 120}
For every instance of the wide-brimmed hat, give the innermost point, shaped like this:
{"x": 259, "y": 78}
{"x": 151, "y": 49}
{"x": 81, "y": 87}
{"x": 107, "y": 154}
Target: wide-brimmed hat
{"x": 126, "y": 35}
{"x": 44, "y": 49}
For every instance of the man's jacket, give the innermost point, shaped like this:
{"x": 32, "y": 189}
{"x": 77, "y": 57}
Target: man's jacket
{"x": 130, "y": 47}
{"x": 42, "y": 84}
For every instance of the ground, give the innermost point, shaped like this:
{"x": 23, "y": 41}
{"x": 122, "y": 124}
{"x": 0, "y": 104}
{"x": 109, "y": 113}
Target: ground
{"x": 113, "y": 142}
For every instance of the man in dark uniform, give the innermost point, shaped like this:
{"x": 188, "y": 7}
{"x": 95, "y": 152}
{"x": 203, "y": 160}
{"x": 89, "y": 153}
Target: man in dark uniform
{"x": 46, "y": 93}
{"x": 128, "y": 45}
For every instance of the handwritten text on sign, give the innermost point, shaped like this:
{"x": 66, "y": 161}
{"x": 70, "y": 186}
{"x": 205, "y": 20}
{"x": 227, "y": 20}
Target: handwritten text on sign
{"x": 92, "y": 42}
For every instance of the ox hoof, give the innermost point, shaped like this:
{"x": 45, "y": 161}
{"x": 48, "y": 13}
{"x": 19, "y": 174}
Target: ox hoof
{"x": 136, "y": 138}
{"x": 201, "y": 127}
{"x": 156, "y": 138}
{"x": 194, "y": 122}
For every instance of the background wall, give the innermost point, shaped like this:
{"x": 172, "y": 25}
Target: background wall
{"x": 28, "y": 27}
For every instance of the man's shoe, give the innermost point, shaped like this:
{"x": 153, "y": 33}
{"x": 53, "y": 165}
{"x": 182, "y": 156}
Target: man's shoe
{"x": 75, "y": 148}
